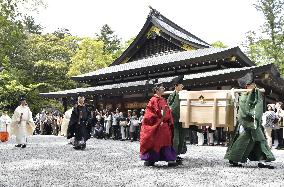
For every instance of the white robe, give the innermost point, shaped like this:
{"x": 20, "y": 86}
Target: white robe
{"x": 22, "y": 127}
{"x": 5, "y": 120}
{"x": 65, "y": 122}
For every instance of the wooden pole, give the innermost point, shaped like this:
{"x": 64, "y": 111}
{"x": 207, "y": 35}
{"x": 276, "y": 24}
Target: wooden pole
{"x": 232, "y": 90}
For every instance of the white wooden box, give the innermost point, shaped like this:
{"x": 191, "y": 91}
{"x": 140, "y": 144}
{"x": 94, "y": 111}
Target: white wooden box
{"x": 207, "y": 108}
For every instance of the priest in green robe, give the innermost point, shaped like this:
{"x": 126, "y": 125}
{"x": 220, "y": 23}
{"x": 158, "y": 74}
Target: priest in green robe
{"x": 179, "y": 132}
{"x": 249, "y": 141}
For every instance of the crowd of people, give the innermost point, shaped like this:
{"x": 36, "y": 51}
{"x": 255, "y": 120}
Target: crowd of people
{"x": 105, "y": 124}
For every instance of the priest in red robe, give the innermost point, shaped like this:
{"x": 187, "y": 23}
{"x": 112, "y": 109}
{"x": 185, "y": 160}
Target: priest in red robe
{"x": 157, "y": 131}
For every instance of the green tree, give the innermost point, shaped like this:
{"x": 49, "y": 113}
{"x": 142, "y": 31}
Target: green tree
{"x": 32, "y": 62}
{"x": 267, "y": 47}
{"x": 49, "y": 60}
{"x": 89, "y": 57}
{"x": 219, "y": 44}
{"x": 12, "y": 37}
{"x": 111, "y": 41}
{"x": 11, "y": 88}
{"x": 31, "y": 26}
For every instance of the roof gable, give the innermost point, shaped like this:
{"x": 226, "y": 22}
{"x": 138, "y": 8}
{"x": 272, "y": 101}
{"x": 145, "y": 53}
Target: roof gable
{"x": 158, "y": 26}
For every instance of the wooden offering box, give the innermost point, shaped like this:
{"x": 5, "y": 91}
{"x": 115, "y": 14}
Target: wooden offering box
{"x": 213, "y": 108}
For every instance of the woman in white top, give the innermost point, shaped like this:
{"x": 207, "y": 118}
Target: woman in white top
{"x": 268, "y": 122}
{"x": 107, "y": 123}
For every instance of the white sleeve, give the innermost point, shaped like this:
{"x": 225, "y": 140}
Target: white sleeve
{"x": 9, "y": 120}
{"x": 16, "y": 115}
{"x": 263, "y": 119}
{"x": 281, "y": 114}
{"x": 30, "y": 116}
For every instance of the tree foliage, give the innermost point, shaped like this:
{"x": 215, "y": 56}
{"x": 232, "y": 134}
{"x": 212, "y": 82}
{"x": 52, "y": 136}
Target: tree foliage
{"x": 89, "y": 57}
{"x": 267, "y": 47}
{"x": 219, "y": 44}
{"x": 111, "y": 42}
{"x": 32, "y": 62}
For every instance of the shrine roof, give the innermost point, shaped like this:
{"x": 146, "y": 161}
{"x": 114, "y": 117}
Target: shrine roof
{"x": 170, "y": 60}
{"x": 167, "y": 25}
{"x": 164, "y": 26}
{"x": 206, "y": 78}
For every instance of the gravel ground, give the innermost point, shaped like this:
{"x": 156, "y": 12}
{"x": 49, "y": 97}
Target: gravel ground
{"x": 50, "y": 161}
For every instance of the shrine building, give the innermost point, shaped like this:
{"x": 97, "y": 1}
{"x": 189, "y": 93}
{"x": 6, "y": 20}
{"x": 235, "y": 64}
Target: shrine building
{"x": 161, "y": 51}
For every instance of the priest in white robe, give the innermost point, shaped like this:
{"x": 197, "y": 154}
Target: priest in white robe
{"x": 5, "y": 122}
{"x": 22, "y": 123}
{"x": 65, "y": 122}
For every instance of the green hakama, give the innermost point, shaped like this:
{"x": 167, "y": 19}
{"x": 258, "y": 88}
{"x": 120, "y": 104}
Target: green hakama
{"x": 179, "y": 132}
{"x": 249, "y": 141}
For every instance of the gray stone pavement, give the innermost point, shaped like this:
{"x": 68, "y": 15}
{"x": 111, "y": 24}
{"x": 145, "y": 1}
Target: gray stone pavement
{"x": 50, "y": 161}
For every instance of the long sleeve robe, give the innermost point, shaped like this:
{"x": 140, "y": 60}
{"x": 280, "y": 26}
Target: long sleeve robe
{"x": 249, "y": 141}
{"x": 153, "y": 135}
{"x": 78, "y": 123}
{"x": 26, "y": 118}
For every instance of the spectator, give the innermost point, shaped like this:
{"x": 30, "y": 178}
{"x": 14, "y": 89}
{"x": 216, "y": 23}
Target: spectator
{"x": 140, "y": 122}
{"x": 99, "y": 131}
{"x": 127, "y": 127}
{"x": 108, "y": 118}
{"x": 123, "y": 124}
{"x": 134, "y": 125}
{"x": 92, "y": 121}
{"x": 268, "y": 122}
{"x": 115, "y": 120}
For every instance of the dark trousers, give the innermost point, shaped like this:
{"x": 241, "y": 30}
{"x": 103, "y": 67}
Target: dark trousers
{"x": 273, "y": 134}
{"x": 81, "y": 132}
{"x": 220, "y": 135}
{"x": 179, "y": 138}
{"x": 115, "y": 131}
{"x": 279, "y": 134}
{"x": 192, "y": 130}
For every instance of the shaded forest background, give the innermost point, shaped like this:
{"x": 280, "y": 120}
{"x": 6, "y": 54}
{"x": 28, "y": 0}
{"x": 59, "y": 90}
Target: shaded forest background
{"x": 32, "y": 62}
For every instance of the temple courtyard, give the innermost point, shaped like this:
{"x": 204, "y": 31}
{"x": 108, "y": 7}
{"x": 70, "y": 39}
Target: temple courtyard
{"x": 50, "y": 161}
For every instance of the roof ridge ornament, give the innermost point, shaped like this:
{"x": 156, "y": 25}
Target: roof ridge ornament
{"x": 154, "y": 12}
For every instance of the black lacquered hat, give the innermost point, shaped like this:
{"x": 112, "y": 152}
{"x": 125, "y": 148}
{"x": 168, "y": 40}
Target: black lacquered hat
{"x": 177, "y": 80}
{"x": 246, "y": 80}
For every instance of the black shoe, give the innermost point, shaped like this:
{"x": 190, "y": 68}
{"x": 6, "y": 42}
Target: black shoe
{"x": 280, "y": 147}
{"x": 172, "y": 164}
{"x": 148, "y": 163}
{"x": 179, "y": 162}
{"x": 235, "y": 164}
{"x": 179, "y": 158}
{"x": 82, "y": 147}
{"x": 261, "y": 165}
{"x": 270, "y": 167}
{"x": 24, "y": 146}
{"x": 77, "y": 147}
{"x": 18, "y": 145}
